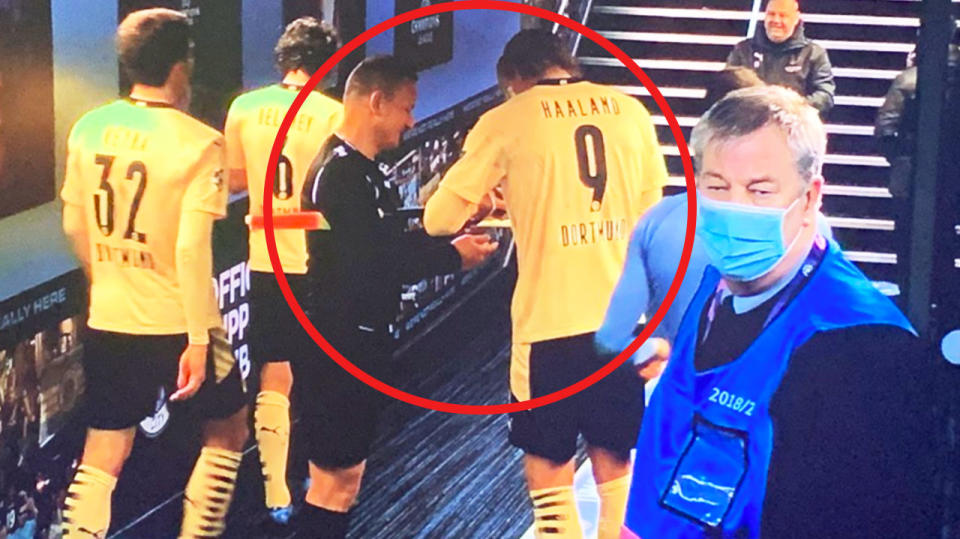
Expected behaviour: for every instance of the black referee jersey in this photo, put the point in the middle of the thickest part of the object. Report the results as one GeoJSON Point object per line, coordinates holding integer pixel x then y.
{"type": "Point", "coordinates": [356, 269]}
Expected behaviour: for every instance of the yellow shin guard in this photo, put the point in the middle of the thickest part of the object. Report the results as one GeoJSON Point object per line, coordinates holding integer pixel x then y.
{"type": "Point", "coordinates": [87, 511]}
{"type": "Point", "coordinates": [209, 492]}
{"type": "Point", "coordinates": [613, 506]}
{"type": "Point", "coordinates": [555, 513]}
{"type": "Point", "coordinates": [271, 420]}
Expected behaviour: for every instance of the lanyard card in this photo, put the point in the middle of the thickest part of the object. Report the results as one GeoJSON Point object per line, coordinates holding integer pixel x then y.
{"type": "Point", "coordinates": [708, 474]}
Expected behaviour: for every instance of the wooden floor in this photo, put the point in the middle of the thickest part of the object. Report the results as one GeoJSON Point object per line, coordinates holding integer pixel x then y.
{"type": "Point", "coordinates": [432, 474]}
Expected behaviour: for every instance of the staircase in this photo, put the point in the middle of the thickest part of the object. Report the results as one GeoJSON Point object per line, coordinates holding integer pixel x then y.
{"type": "Point", "coordinates": [679, 42]}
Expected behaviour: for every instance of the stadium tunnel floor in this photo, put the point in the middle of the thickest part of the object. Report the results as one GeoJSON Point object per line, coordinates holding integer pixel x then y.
{"type": "Point", "coordinates": [432, 474]}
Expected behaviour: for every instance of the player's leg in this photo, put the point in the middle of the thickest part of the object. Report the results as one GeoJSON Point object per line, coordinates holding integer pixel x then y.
{"type": "Point", "coordinates": [611, 471]}
{"type": "Point", "coordinates": [271, 422]}
{"type": "Point", "coordinates": [611, 412]}
{"type": "Point", "coordinates": [550, 485]}
{"type": "Point", "coordinates": [221, 399]}
{"type": "Point", "coordinates": [548, 437]}
{"type": "Point", "coordinates": [122, 386]}
{"type": "Point", "coordinates": [88, 505]}
{"type": "Point", "coordinates": [274, 340]}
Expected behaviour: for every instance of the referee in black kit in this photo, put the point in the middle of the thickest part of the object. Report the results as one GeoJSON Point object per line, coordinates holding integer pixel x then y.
{"type": "Point", "coordinates": [355, 273]}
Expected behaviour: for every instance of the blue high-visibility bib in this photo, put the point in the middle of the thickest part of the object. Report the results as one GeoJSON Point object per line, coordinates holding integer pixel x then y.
{"type": "Point", "coordinates": [705, 443]}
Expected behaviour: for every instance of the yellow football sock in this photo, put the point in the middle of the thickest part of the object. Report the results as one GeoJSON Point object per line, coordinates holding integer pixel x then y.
{"type": "Point", "coordinates": [271, 419]}
{"type": "Point", "coordinates": [87, 509]}
{"type": "Point", "coordinates": [208, 493]}
{"type": "Point", "coordinates": [555, 513]}
{"type": "Point", "coordinates": [613, 506]}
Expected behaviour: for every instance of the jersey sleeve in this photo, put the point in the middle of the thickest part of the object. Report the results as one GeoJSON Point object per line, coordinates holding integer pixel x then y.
{"type": "Point", "coordinates": [233, 155]}
{"type": "Point", "coordinates": [482, 165]}
{"type": "Point", "coordinates": [207, 191]}
{"type": "Point", "coordinates": [72, 190]}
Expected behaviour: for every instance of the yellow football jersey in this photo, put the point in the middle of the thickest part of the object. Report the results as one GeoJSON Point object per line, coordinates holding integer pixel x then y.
{"type": "Point", "coordinates": [252, 125]}
{"type": "Point", "coordinates": [134, 167]}
{"type": "Point", "coordinates": [579, 164]}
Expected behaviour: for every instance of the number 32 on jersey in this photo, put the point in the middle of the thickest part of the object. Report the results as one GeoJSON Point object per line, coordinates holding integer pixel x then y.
{"type": "Point", "coordinates": [103, 198]}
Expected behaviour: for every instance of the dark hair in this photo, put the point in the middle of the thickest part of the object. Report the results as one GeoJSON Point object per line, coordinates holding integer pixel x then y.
{"type": "Point", "coordinates": [530, 53]}
{"type": "Point", "coordinates": [383, 72]}
{"type": "Point", "coordinates": [306, 44]}
{"type": "Point", "coordinates": [732, 78]}
{"type": "Point", "coordinates": [150, 42]}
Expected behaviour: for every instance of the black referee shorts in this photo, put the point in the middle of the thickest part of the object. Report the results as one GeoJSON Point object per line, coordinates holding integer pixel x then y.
{"type": "Point", "coordinates": [608, 413]}
{"type": "Point", "coordinates": [275, 333]}
{"type": "Point", "coordinates": [339, 413]}
{"type": "Point", "coordinates": [130, 377]}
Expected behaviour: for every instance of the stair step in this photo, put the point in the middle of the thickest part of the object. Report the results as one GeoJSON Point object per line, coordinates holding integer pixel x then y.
{"type": "Point", "coordinates": [892, 8]}
{"type": "Point", "coordinates": [809, 17]}
{"type": "Point", "coordinates": [713, 66]}
{"type": "Point", "coordinates": [679, 44]}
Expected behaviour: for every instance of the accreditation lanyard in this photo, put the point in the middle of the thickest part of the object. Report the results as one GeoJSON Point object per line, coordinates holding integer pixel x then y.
{"type": "Point", "coordinates": [814, 257]}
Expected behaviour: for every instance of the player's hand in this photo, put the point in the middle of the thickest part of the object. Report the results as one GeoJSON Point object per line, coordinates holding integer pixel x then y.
{"type": "Point", "coordinates": [474, 249]}
{"type": "Point", "coordinates": [193, 370]}
{"type": "Point", "coordinates": [657, 351]}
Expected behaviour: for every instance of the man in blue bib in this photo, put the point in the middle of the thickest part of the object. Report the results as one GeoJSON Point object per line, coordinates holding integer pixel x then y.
{"type": "Point", "coordinates": [792, 404]}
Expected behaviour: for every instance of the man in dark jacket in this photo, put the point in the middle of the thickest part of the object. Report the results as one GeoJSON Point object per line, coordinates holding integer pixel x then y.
{"type": "Point", "coordinates": [782, 55]}
{"type": "Point", "coordinates": [896, 135]}
{"type": "Point", "coordinates": [896, 125]}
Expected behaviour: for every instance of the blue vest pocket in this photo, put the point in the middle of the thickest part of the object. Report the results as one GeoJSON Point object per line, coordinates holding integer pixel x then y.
{"type": "Point", "coordinates": [708, 473]}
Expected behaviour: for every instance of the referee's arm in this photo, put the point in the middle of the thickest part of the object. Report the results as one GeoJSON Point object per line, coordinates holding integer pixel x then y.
{"type": "Point", "coordinates": [418, 257]}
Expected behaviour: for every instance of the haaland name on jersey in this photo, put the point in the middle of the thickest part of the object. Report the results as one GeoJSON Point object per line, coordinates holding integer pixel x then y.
{"type": "Point", "coordinates": [579, 108]}
{"type": "Point", "coordinates": [593, 232]}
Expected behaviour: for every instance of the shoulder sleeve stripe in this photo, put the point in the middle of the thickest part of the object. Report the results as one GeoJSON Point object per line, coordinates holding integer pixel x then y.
{"type": "Point", "coordinates": [316, 182]}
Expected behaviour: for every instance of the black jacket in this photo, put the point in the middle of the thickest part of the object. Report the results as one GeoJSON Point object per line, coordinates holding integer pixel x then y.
{"type": "Point", "coordinates": [895, 126]}
{"type": "Point", "coordinates": [356, 268]}
{"type": "Point", "coordinates": [797, 63]}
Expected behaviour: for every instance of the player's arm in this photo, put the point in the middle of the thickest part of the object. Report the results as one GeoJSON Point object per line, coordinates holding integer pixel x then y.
{"type": "Point", "coordinates": [74, 220]}
{"type": "Point", "coordinates": [203, 203]}
{"type": "Point", "coordinates": [468, 182]}
{"type": "Point", "coordinates": [194, 259]}
{"type": "Point", "coordinates": [235, 159]}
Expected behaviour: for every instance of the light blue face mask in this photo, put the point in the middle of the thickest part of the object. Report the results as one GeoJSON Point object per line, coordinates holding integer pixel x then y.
{"type": "Point", "coordinates": [743, 242]}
